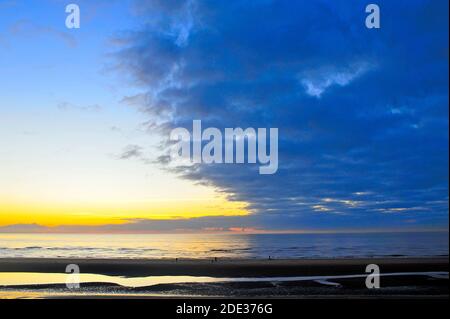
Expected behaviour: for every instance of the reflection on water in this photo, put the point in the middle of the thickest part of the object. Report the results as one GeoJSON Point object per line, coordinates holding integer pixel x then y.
{"type": "Point", "coordinates": [20, 294]}
{"type": "Point", "coordinates": [224, 246]}
{"type": "Point", "coordinates": [122, 246]}
{"type": "Point", "coordinates": [30, 278]}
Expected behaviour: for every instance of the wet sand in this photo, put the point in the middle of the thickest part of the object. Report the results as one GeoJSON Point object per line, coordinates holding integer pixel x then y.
{"type": "Point", "coordinates": [400, 277]}
{"type": "Point", "coordinates": [224, 267]}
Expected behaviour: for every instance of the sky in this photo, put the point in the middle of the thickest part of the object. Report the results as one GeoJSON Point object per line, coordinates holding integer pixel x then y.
{"type": "Point", "coordinates": [85, 115]}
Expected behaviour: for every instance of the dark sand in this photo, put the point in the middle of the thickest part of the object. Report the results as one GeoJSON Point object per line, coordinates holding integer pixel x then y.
{"type": "Point", "coordinates": [224, 267]}
{"type": "Point", "coordinates": [397, 286]}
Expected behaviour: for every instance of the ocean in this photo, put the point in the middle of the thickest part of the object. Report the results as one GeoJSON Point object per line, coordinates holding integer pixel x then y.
{"type": "Point", "coordinates": [257, 246]}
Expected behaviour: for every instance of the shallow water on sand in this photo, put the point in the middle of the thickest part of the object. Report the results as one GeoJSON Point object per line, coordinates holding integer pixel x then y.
{"type": "Point", "coordinates": [24, 278]}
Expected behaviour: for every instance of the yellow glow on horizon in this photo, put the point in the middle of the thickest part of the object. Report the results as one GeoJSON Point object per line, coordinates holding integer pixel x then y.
{"type": "Point", "coordinates": [52, 214]}
{"type": "Point", "coordinates": [76, 177]}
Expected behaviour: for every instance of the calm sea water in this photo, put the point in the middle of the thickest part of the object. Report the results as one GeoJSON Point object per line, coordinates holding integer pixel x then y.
{"type": "Point", "coordinates": [229, 246]}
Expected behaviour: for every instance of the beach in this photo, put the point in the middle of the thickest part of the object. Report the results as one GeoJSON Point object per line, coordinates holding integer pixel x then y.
{"type": "Point", "coordinates": [142, 278]}
{"type": "Point", "coordinates": [223, 267]}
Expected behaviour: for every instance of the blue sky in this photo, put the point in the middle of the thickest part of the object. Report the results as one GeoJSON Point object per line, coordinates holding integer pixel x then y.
{"type": "Point", "coordinates": [362, 113]}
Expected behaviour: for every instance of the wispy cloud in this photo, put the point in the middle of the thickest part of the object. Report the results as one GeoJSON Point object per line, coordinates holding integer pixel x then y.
{"type": "Point", "coordinates": [131, 151]}
{"type": "Point", "coordinates": [30, 29]}
{"type": "Point", "coordinates": [316, 82]}
{"type": "Point", "coordinates": [66, 106]}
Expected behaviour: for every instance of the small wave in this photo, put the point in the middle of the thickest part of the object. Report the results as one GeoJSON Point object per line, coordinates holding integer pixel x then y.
{"type": "Point", "coordinates": [134, 249]}
{"type": "Point", "coordinates": [229, 250]}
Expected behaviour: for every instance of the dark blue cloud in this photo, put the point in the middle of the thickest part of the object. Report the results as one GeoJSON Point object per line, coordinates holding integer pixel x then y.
{"type": "Point", "coordinates": [362, 113]}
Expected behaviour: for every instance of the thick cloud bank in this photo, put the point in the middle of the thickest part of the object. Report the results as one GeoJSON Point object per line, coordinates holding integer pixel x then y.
{"type": "Point", "coordinates": [362, 113]}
